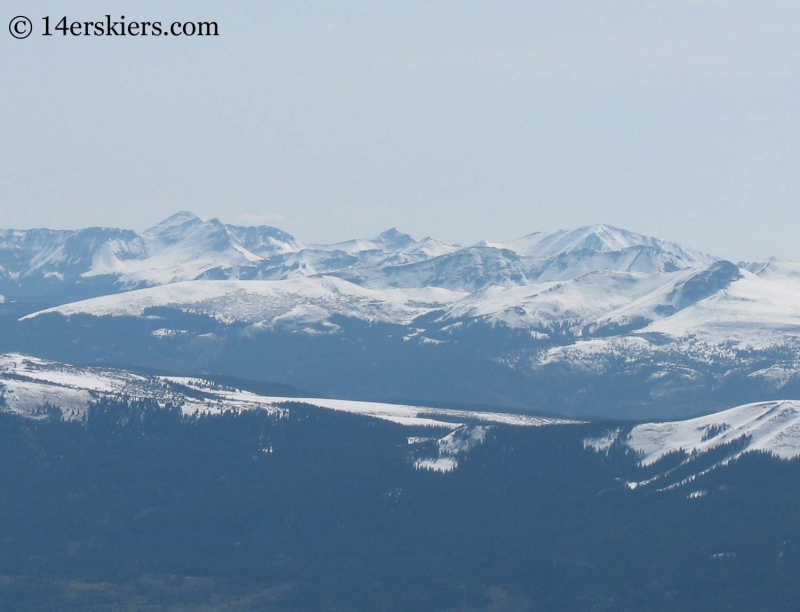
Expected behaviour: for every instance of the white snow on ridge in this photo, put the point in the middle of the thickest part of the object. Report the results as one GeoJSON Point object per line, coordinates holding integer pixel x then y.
{"type": "Point", "coordinates": [67, 376]}
{"type": "Point", "coordinates": [109, 258]}
{"type": "Point", "coordinates": [421, 415]}
{"type": "Point", "coordinates": [27, 398]}
{"type": "Point", "coordinates": [594, 354]}
{"type": "Point", "coordinates": [586, 300]}
{"type": "Point", "coordinates": [778, 375]}
{"type": "Point", "coordinates": [753, 311]}
{"type": "Point", "coordinates": [772, 427]}
{"type": "Point", "coordinates": [401, 413]}
{"type": "Point", "coordinates": [29, 382]}
{"type": "Point", "coordinates": [266, 301]}
{"type": "Point", "coordinates": [390, 242]}
{"type": "Point", "coordinates": [775, 269]}
{"type": "Point", "coordinates": [598, 237]}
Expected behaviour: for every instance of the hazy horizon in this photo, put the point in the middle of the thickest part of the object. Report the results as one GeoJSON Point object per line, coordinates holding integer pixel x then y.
{"type": "Point", "coordinates": [462, 121]}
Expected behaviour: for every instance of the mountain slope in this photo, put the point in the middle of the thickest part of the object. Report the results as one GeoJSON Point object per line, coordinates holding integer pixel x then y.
{"type": "Point", "coordinates": [749, 310]}
{"type": "Point", "coordinates": [704, 444]}
{"type": "Point", "coordinates": [296, 301]}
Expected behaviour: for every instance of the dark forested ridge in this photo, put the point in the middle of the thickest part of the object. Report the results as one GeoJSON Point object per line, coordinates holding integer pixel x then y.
{"type": "Point", "coordinates": [138, 507]}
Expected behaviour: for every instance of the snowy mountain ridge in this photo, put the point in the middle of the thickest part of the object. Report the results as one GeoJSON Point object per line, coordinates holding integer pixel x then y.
{"type": "Point", "coordinates": [27, 383]}
{"type": "Point", "coordinates": [768, 427]}
{"type": "Point", "coordinates": [185, 247]}
{"type": "Point", "coordinates": [589, 278]}
{"type": "Point", "coordinates": [719, 304]}
{"type": "Point", "coordinates": [282, 303]}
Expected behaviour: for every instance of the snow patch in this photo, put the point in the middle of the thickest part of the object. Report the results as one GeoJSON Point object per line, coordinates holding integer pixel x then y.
{"type": "Point", "coordinates": [443, 465]}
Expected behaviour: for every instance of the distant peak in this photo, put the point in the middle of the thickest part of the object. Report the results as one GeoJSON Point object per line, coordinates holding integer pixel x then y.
{"type": "Point", "coordinates": [393, 232]}
{"type": "Point", "coordinates": [183, 216]}
{"type": "Point", "coordinates": [395, 237]}
{"type": "Point", "coordinates": [602, 229]}
{"type": "Point", "coordinates": [178, 219]}
{"type": "Point", "coordinates": [597, 238]}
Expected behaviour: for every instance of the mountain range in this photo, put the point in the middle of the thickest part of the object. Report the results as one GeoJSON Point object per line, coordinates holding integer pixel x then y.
{"type": "Point", "coordinates": [38, 262]}
{"type": "Point", "coordinates": [592, 321]}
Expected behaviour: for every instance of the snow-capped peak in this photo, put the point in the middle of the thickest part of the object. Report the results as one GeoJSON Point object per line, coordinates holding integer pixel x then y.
{"type": "Point", "coordinates": [389, 241]}
{"type": "Point", "coordinates": [596, 238]}
{"type": "Point", "coordinates": [179, 218]}
{"type": "Point", "coordinates": [395, 238]}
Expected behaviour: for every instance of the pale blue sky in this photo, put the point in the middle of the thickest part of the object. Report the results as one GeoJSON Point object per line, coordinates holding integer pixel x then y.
{"type": "Point", "coordinates": [463, 120]}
